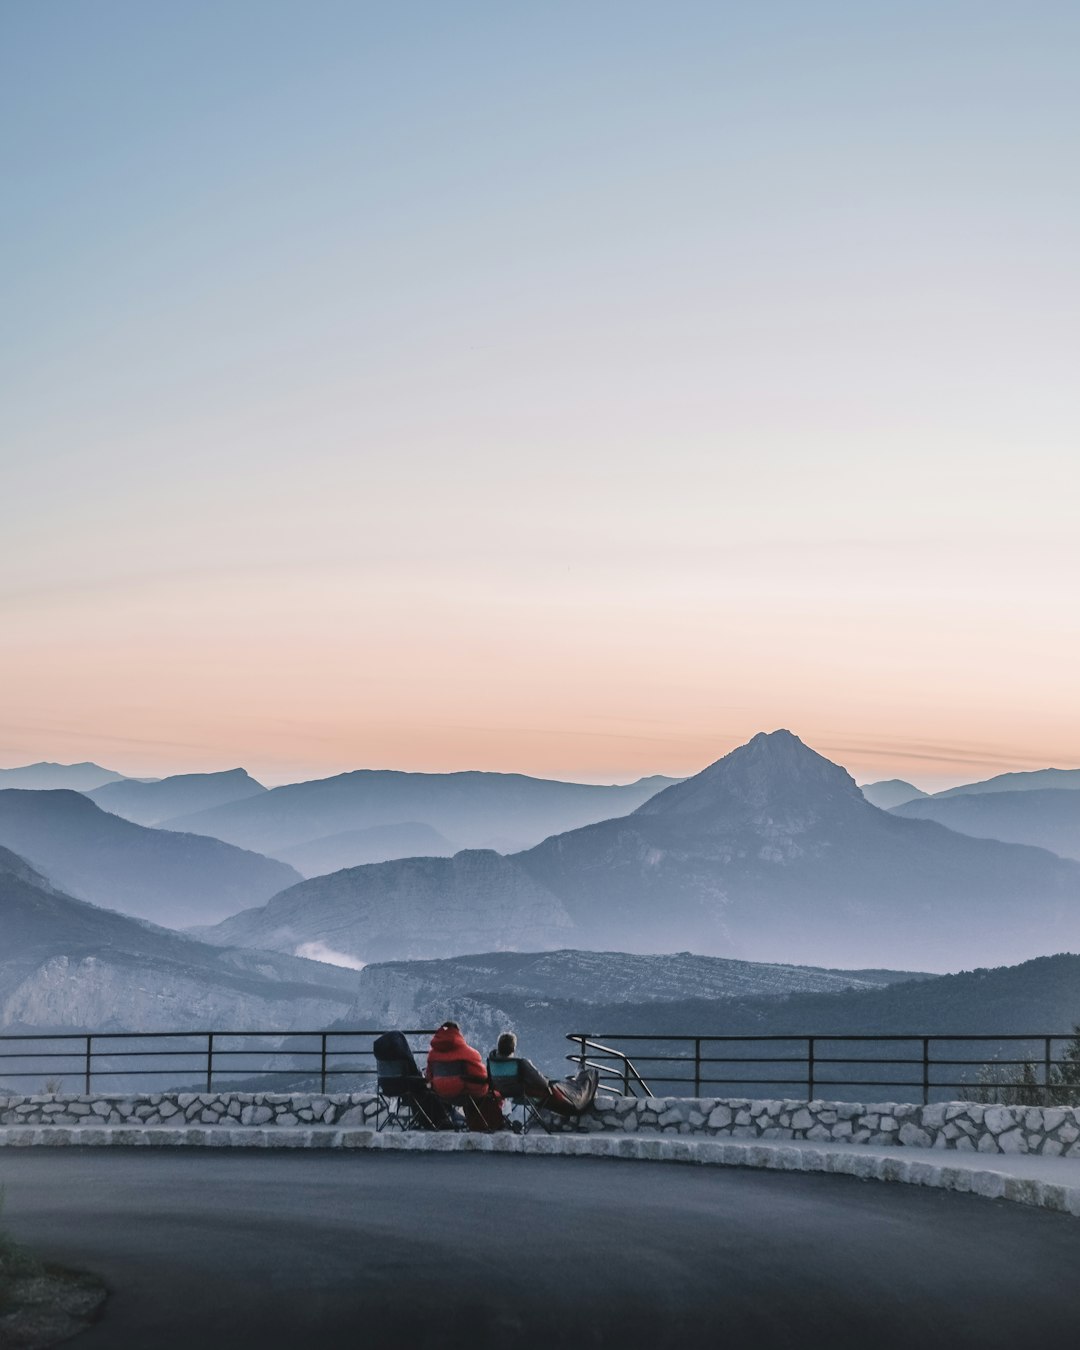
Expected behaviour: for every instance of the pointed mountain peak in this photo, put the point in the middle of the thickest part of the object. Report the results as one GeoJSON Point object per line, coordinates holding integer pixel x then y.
{"type": "Point", "coordinates": [774, 772]}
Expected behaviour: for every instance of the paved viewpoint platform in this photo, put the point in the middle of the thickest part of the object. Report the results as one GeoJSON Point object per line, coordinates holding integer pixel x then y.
{"type": "Point", "coordinates": [304, 1247]}
{"type": "Point", "coordinates": [1030, 1179]}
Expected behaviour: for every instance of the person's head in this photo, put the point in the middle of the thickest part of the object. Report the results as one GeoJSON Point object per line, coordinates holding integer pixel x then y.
{"type": "Point", "coordinates": [507, 1045]}
{"type": "Point", "coordinates": [449, 1026]}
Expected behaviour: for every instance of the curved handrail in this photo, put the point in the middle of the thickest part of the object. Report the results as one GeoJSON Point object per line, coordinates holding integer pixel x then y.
{"type": "Point", "coordinates": [628, 1076]}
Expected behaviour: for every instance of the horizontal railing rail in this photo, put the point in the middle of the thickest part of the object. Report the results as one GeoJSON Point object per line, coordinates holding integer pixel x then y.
{"type": "Point", "coordinates": [87, 1058]}
{"type": "Point", "coordinates": [1039, 1076]}
{"type": "Point", "coordinates": [1025, 1068]}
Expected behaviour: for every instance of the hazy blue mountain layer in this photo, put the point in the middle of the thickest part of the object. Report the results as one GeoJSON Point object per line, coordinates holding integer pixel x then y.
{"type": "Point", "coordinates": [890, 792]}
{"type": "Point", "coordinates": [68, 964]}
{"type": "Point", "coordinates": [1045, 817]}
{"type": "Point", "coordinates": [375, 844]}
{"type": "Point", "coordinates": [151, 803]}
{"type": "Point", "coordinates": [173, 879]}
{"type": "Point", "coordinates": [76, 777]}
{"type": "Point", "coordinates": [419, 907]}
{"type": "Point", "coordinates": [1032, 781]}
{"type": "Point", "coordinates": [504, 811]}
{"type": "Point", "coordinates": [771, 854]}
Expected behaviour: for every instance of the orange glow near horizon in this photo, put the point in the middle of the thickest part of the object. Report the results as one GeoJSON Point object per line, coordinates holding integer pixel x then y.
{"type": "Point", "coordinates": [576, 683]}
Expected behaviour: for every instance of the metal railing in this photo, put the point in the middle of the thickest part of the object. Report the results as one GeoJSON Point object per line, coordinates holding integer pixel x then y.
{"type": "Point", "coordinates": [694, 1063]}
{"type": "Point", "coordinates": [1026, 1069]}
{"type": "Point", "coordinates": [192, 1059]}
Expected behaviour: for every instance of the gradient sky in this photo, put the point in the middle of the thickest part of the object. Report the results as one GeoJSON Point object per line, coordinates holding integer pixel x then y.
{"type": "Point", "coordinates": [568, 388]}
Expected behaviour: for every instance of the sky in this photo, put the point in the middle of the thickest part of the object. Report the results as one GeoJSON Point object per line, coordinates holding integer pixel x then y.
{"type": "Point", "coordinates": [573, 389]}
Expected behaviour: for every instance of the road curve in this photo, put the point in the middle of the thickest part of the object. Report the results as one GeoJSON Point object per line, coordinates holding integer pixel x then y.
{"type": "Point", "coordinates": [298, 1250]}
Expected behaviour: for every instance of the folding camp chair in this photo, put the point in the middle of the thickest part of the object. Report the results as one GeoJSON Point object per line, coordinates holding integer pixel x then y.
{"type": "Point", "coordinates": [464, 1102]}
{"type": "Point", "coordinates": [506, 1079]}
{"type": "Point", "coordinates": [404, 1101]}
{"type": "Point", "coordinates": [399, 1089]}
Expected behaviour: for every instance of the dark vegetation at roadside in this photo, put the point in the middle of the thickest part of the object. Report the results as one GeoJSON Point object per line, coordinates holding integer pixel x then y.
{"type": "Point", "coordinates": [41, 1305]}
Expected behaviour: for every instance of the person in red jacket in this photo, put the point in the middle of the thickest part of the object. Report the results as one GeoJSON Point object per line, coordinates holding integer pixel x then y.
{"type": "Point", "coordinates": [458, 1075]}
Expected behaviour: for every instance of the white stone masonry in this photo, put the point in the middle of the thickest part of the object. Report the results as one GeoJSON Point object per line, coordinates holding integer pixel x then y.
{"type": "Point", "coordinates": [1051, 1131]}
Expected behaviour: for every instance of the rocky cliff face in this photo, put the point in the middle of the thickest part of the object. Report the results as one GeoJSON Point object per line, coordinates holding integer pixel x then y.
{"type": "Point", "coordinates": [111, 992]}
{"type": "Point", "coordinates": [407, 993]}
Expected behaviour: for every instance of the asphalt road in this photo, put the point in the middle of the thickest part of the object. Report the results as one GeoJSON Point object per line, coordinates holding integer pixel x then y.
{"type": "Point", "coordinates": [237, 1249]}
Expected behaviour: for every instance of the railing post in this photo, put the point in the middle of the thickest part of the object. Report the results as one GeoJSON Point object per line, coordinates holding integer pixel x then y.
{"type": "Point", "coordinates": [1046, 1072]}
{"type": "Point", "coordinates": [209, 1061]}
{"type": "Point", "coordinates": [810, 1068]}
{"type": "Point", "coordinates": [322, 1064]}
{"type": "Point", "coordinates": [86, 1077]}
{"type": "Point", "coordinates": [626, 1076]}
{"type": "Point", "coordinates": [697, 1066]}
{"type": "Point", "coordinates": [925, 1070]}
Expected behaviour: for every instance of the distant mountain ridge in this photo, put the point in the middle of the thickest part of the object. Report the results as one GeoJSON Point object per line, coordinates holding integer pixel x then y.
{"type": "Point", "coordinates": [891, 792]}
{"type": "Point", "coordinates": [469, 809]}
{"type": "Point", "coordinates": [46, 775]}
{"type": "Point", "coordinates": [373, 844]}
{"type": "Point", "coordinates": [173, 879]}
{"type": "Point", "coordinates": [153, 802]}
{"type": "Point", "coordinates": [1044, 817]}
{"type": "Point", "coordinates": [1027, 781]}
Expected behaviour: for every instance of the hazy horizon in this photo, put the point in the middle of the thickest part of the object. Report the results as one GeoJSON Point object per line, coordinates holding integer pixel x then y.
{"type": "Point", "coordinates": [926, 781]}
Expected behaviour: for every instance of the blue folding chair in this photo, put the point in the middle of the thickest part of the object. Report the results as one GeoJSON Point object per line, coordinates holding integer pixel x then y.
{"type": "Point", "coordinates": [506, 1079]}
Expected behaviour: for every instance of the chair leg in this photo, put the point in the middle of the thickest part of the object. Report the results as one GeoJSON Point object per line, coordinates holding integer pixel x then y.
{"type": "Point", "coordinates": [419, 1111]}
{"type": "Point", "coordinates": [534, 1113]}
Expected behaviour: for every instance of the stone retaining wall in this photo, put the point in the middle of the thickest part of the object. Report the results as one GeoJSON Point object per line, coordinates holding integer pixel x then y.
{"type": "Point", "coordinates": [964, 1126]}
{"type": "Point", "coordinates": [190, 1108]}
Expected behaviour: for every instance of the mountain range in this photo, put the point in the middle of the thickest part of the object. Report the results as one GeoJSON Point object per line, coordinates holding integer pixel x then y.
{"type": "Point", "coordinates": [150, 803]}
{"type": "Point", "coordinates": [1045, 817]}
{"type": "Point", "coordinates": [416, 907]}
{"type": "Point", "coordinates": [68, 964]}
{"type": "Point", "coordinates": [774, 854]}
{"type": "Point", "coordinates": [470, 810]}
{"type": "Point", "coordinates": [172, 879]}
{"type": "Point", "coordinates": [44, 775]}
{"type": "Point", "coordinates": [1032, 780]}
{"type": "Point", "coordinates": [770, 854]}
